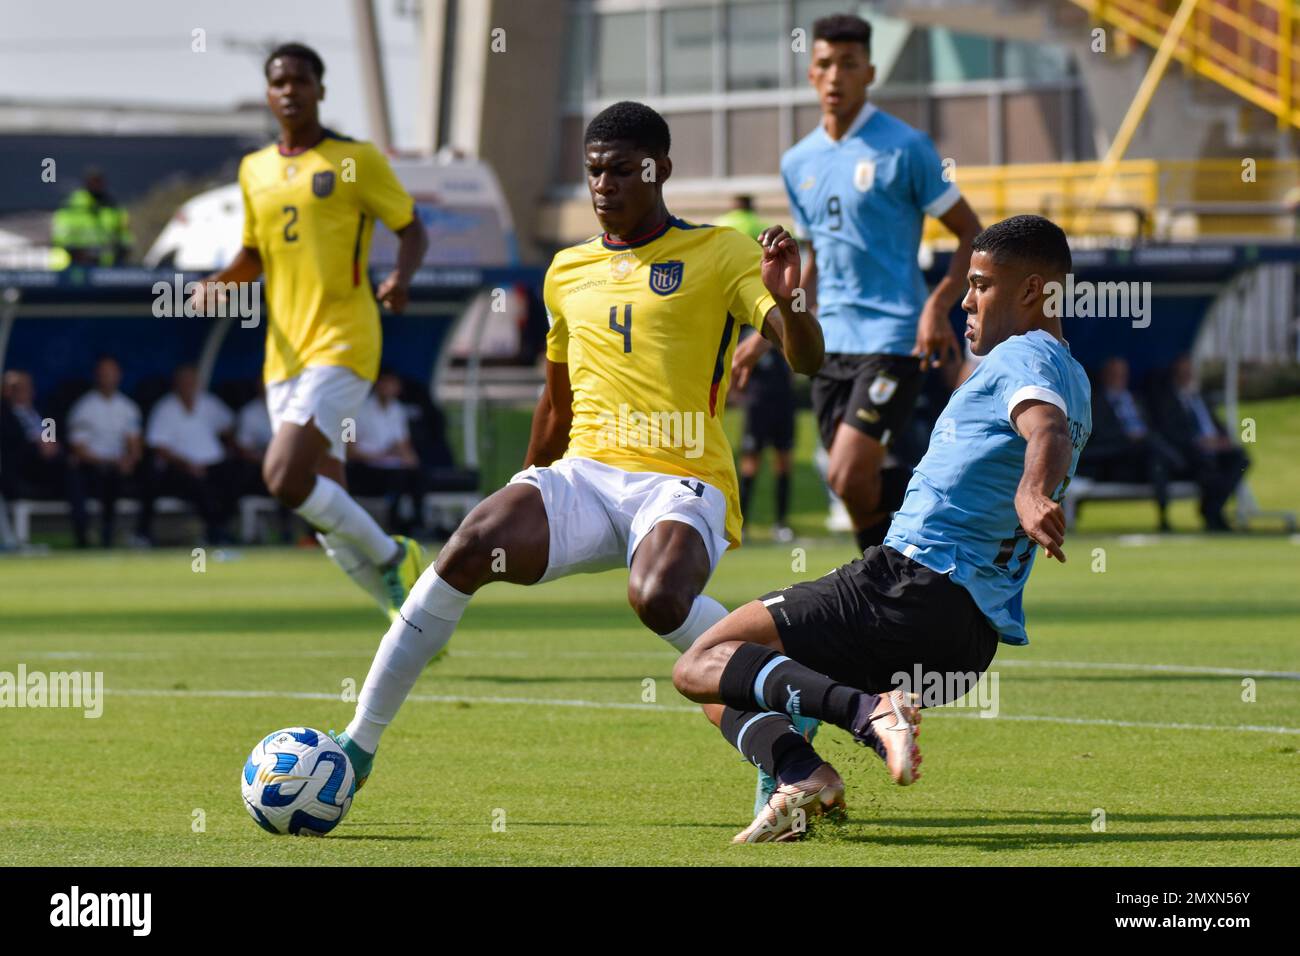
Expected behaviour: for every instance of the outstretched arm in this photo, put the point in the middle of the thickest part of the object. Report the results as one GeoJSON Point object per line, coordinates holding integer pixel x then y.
{"type": "Point", "coordinates": [552, 419]}
{"type": "Point", "coordinates": [1047, 462]}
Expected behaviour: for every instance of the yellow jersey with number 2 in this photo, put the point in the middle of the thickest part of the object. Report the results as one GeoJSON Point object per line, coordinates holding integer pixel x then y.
{"type": "Point", "coordinates": [647, 328]}
{"type": "Point", "coordinates": [310, 215]}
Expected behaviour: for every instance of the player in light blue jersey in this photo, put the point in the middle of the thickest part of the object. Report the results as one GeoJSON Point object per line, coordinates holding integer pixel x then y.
{"type": "Point", "coordinates": [932, 602]}
{"type": "Point", "coordinates": [860, 186]}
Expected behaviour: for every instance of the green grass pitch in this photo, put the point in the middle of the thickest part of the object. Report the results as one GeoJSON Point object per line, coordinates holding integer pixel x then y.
{"type": "Point", "coordinates": [1129, 702]}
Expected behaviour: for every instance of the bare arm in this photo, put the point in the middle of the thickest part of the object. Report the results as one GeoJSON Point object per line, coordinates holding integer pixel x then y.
{"type": "Point", "coordinates": [789, 324]}
{"type": "Point", "coordinates": [1047, 461]}
{"type": "Point", "coordinates": [245, 267]}
{"type": "Point", "coordinates": [935, 341]}
{"type": "Point", "coordinates": [551, 420]}
{"type": "Point", "coordinates": [394, 291]}
{"type": "Point", "coordinates": [755, 347]}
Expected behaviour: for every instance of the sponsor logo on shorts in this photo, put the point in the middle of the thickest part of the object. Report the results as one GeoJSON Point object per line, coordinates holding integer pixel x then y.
{"type": "Point", "coordinates": [868, 415]}
{"type": "Point", "coordinates": [882, 389]}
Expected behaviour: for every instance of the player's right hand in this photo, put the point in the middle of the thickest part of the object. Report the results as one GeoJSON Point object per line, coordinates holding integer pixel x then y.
{"type": "Point", "coordinates": [1043, 520]}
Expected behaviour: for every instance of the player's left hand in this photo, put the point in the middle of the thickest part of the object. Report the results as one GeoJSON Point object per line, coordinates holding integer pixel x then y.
{"type": "Point", "coordinates": [935, 341]}
{"type": "Point", "coordinates": [1043, 520]}
{"type": "Point", "coordinates": [780, 261]}
{"type": "Point", "coordinates": [393, 293]}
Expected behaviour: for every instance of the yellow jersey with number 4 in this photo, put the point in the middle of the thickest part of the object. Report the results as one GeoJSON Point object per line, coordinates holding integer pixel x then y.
{"type": "Point", "coordinates": [647, 328]}
{"type": "Point", "coordinates": [310, 215]}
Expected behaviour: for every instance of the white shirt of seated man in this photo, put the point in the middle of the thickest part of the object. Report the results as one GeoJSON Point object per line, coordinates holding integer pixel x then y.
{"type": "Point", "coordinates": [192, 434]}
{"type": "Point", "coordinates": [381, 431]}
{"type": "Point", "coordinates": [103, 423]}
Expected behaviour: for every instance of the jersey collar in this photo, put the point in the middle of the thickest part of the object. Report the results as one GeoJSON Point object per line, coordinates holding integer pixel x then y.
{"type": "Point", "coordinates": [868, 110]}
{"type": "Point", "coordinates": [326, 133]}
{"type": "Point", "coordinates": [609, 242]}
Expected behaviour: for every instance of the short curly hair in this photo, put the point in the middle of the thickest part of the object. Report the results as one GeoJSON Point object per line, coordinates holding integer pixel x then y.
{"type": "Point", "coordinates": [843, 28]}
{"type": "Point", "coordinates": [1031, 240]}
{"type": "Point", "coordinates": [302, 52]}
{"type": "Point", "coordinates": [630, 122]}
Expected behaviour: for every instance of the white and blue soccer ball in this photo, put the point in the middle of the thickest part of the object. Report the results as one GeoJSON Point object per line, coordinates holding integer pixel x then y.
{"type": "Point", "coordinates": [298, 781]}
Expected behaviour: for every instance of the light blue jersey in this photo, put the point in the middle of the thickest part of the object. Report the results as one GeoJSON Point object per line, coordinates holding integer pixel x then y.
{"type": "Point", "coordinates": [862, 200]}
{"type": "Point", "coordinates": [959, 515]}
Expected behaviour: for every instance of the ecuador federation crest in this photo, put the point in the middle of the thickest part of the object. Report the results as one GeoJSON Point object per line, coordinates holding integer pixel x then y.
{"type": "Point", "coordinates": [322, 184]}
{"type": "Point", "coordinates": [666, 277]}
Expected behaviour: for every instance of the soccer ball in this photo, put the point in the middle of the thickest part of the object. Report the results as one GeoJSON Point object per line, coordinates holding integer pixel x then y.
{"type": "Point", "coordinates": [298, 781]}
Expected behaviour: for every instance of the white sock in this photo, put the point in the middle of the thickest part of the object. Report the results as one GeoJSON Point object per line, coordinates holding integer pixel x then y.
{"type": "Point", "coordinates": [429, 615]}
{"type": "Point", "coordinates": [705, 612]}
{"type": "Point", "coordinates": [355, 566]}
{"type": "Point", "coordinates": [333, 511]}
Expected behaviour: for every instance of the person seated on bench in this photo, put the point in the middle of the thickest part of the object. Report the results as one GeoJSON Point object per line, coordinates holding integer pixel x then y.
{"type": "Point", "coordinates": [31, 458]}
{"type": "Point", "coordinates": [187, 435]}
{"type": "Point", "coordinates": [1206, 451]}
{"type": "Point", "coordinates": [381, 461]}
{"type": "Point", "coordinates": [104, 432]}
{"type": "Point", "coordinates": [1123, 446]}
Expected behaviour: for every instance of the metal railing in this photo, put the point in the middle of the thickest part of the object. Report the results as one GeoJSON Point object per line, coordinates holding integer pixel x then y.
{"type": "Point", "coordinates": [1251, 47]}
{"type": "Point", "coordinates": [1145, 198]}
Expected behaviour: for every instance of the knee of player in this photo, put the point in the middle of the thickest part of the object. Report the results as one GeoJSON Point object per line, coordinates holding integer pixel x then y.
{"type": "Point", "coordinates": [470, 555]}
{"type": "Point", "coordinates": [660, 607]}
{"type": "Point", "coordinates": [854, 484]}
{"type": "Point", "coordinates": [686, 673]}
{"type": "Point", "coordinates": [287, 488]}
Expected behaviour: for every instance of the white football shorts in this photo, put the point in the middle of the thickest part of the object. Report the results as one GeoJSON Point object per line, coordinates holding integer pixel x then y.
{"type": "Point", "coordinates": [598, 514]}
{"type": "Point", "coordinates": [329, 395]}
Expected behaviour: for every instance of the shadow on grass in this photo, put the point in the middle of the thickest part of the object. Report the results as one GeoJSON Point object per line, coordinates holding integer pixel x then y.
{"type": "Point", "coordinates": [1118, 830]}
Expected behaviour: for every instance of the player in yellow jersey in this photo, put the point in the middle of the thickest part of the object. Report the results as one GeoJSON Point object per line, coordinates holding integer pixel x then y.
{"type": "Point", "coordinates": [310, 204]}
{"type": "Point", "coordinates": [627, 464]}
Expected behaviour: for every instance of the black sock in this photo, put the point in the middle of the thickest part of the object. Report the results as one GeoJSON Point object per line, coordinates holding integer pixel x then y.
{"type": "Point", "coordinates": [787, 686]}
{"type": "Point", "coordinates": [746, 488]}
{"type": "Point", "coordinates": [782, 497]}
{"type": "Point", "coordinates": [768, 741]}
{"type": "Point", "coordinates": [871, 537]}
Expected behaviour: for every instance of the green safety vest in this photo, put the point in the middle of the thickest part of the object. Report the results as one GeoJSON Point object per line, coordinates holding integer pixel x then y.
{"type": "Point", "coordinates": [82, 224]}
{"type": "Point", "coordinates": [742, 220]}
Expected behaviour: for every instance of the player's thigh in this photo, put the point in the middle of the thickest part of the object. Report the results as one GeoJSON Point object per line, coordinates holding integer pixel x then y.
{"type": "Point", "coordinates": [829, 393]}
{"type": "Point", "coordinates": [855, 460]}
{"type": "Point", "coordinates": [883, 395]}
{"type": "Point", "coordinates": [506, 537]}
{"type": "Point", "coordinates": [293, 458]}
{"type": "Point", "coordinates": [588, 527]}
{"type": "Point", "coordinates": [317, 411]}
